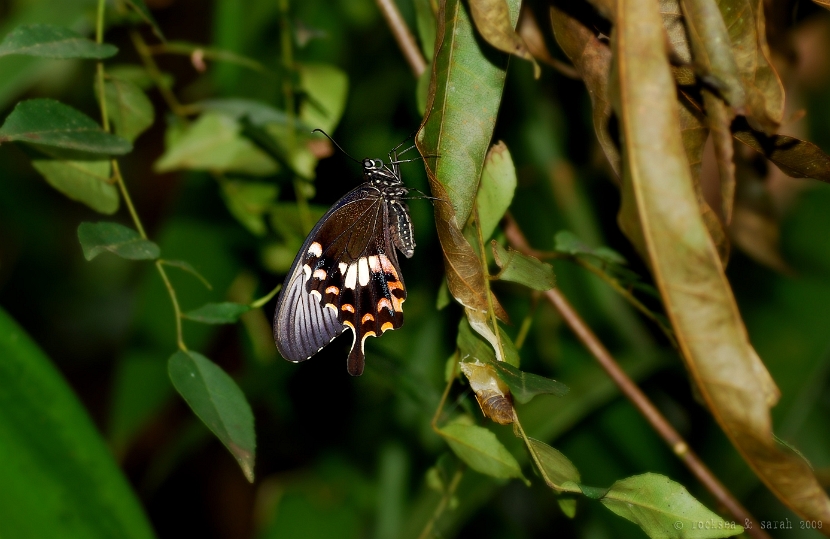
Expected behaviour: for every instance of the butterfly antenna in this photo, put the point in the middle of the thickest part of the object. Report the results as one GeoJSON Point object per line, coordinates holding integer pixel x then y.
{"type": "Point", "coordinates": [338, 146]}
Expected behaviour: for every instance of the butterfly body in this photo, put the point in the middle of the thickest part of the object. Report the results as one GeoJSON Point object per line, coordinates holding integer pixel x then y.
{"type": "Point", "coordinates": [346, 275]}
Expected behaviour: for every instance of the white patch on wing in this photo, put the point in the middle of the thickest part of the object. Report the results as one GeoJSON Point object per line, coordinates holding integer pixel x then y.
{"type": "Point", "coordinates": [374, 264]}
{"type": "Point", "coordinates": [363, 271]}
{"type": "Point", "coordinates": [351, 276]}
{"type": "Point", "coordinates": [315, 249]}
{"type": "Point", "coordinates": [316, 294]}
{"type": "Point", "coordinates": [342, 267]}
{"type": "Point", "coordinates": [307, 271]}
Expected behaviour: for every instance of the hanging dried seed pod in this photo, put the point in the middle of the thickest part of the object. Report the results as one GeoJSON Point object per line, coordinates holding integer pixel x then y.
{"type": "Point", "coordinates": [492, 394]}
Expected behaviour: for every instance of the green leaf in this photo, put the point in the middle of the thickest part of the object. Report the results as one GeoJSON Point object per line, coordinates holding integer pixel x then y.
{"type": "Point", "coordinates": [523, 269]}
{"type": "Point", "coordinates": [217, 313]}
{"type": "Point", "coordinates": [472, 329]}
{"type": "Point", "coordinates": [97, 238]}
{"type": "Point", "coordinates": [213, 142]}
{"type": "Point", "coordinates": [84, 181]}
{"type": "Point", "coordinates": [50, 123]}
{"type": "Point", "coordinates": [216, 399]}
{"type": "Point", "coordinates": [425, 22]}
{"type": "Point", "coordinates": [259, 113]}
{"type": "Point", "coordinates": [49, 41]}
{"type": "Point", "coordinates": [249, 202]}
{"type": "Point", "coordinates": [128, 107]}
{"type": "Point", "coordinates": [326, 88]}
{"type": "Point", "coordinates": [524, 385]}
{"type": "Point", "coordinates": [665, 509]}
{"type": "Point", "coordinates": [481, 450]}
{"type": "Point", "coordinates": [495, 192]}
{"type": "Point", "coordinates": [568, 243]}
{"type": "Point", "coordinates": [58, 477]}
{"type": "Point", "coordinates": [185, 266]}
{"type": "Point", "coordinates": [212, 53]}
{"type": "Point", "coordinates": [557, 468]}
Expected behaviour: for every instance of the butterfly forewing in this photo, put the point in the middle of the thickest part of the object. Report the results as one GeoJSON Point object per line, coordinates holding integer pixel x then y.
{"type": "Point", "coordinates": [345, 276]}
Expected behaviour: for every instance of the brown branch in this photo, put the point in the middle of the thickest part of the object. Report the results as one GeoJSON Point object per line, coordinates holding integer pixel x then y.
{"type": "Point", "coordinates": [639, 399]}
{"type": "Point", "coordinates": [406, 41]}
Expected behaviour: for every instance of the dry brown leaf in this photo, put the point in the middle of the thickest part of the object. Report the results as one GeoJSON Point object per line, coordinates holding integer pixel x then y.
{"type": "Point", "coordinates": [493, 21]}
{"type": "Point", "coordinates": [658, 185]}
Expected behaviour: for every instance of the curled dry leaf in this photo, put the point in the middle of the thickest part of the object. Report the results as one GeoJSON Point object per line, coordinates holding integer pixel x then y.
{"type": "Point", "coordinates": [728, 373]}
{"type": "Point", "coordinates": [592, 60]}
{"type": "Point", "coordinates": [464, 97]}
{"type": "Point", "coordinates": [496, 24]}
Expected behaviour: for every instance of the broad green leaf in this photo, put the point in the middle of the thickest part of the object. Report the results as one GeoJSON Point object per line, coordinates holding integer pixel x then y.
{"type": "Point", "coordinates": [471, 345]}
{"type": "Point", "coordinates": [59, 477]}
{"type": "Point", "coordinates": [481, 450]}
{"type": "Point", "coordinates": [665, 509]}
{"type": "Point", "coordinates": [523, 269]}
{"type": "Point", "coordinates": [186, 266]}
{"type": "Point", "coordinates": [49, 41]}
{"type": "Point", "coordinates": [524, 385]}
{"type": "Point", "coordinates": [216, 399]}
{"type": "Point", "coordinates": [217, 313]}
{"type": "Point", "coordinates": [567, 242]}
{"type": "Point", "coordinates": [729, 375]}
{"type": "Point", "coordinates": [249, 202]}
{"type": "Point", "coordinates": [46, 122]}
{"type": "Point", "coordinates": [326, 88]}
{"type": "Point", "coordinates": [558, 469]}
{"type": "Point", "coordinates": [84, 181]}
{"type": "Point", "coordinates": [465, 93]}
{"type": "Point", "coordinates": [97, 238]}
{"type": "Point", "coordinates": [494, 22]}
{"type": "Point", "coordinates": [495, 192]}
{"type": "Point", "coordinates": [213, 142]}
{"type": "Point", "coordinates": [129, 109]}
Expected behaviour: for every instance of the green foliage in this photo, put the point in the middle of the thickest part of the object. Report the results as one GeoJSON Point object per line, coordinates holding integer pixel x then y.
{"type": "Point", "coordinates": [217, 313]}
{"type": "Point", "coordinates": [219, 403]}
{"type": "Point", "coordinates": [97, 238]}
{"type": "Point", "coordinates": [481, 450]}
{"type": "Point", "coordinates": [48, 41]}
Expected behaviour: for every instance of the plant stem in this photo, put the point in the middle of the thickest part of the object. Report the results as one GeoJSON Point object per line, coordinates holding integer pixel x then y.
{"type": "Point", "coordinates": [443, 400]}
{"type": "Point", "coordinates": [266, 298]}
{"type": "Point", "coordinates": [155, 74]}
{"type": "Point", "coordinates": [640, 401]}
{"type": "Point", "coordinates": [406, 41]}
{"type": "Point", "coordinates": [119, 179]}
{"type": "Point", "coordinates": [442, 504]}
{"type": "Point", "coordinates": [538, 462]}
{"type": "Point", "coordinates": [491, 311]}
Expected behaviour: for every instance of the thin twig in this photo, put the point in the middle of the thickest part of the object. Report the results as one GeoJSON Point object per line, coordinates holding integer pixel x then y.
{"type": "Point", "coordinates": [641, 401]}
{"type": "Point", "coordinates": [406, 41]}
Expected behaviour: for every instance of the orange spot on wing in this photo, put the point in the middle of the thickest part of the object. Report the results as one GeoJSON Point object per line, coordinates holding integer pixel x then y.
{"type": "Point", "coordinates": [384, 303]}
{"type": "Point", "coordinates": [368, 317]}
{"type": "Point", "coordinates": [386, 327]}
{"type": "Point", "coordinates": [332, 290]}
{"type": "Point", "coordinates": [347, 307]}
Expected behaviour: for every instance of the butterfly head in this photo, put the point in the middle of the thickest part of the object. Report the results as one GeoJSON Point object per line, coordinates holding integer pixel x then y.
{"type": "Point", "coordinates": [380, 175]}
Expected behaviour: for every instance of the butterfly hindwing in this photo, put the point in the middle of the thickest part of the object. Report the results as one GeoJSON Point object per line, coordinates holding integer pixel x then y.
{"type": "Point", "coordinates": [345, 276]}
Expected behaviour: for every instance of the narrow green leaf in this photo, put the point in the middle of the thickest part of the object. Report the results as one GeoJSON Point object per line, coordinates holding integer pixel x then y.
{"type": "Point", "coordinates": [481, 450]}
{"type": "Point", "coordinates": [49, 41]}
{"type": "Point", "coordinates": [84, 181]}
{"type": "Point", "coordinates": [568, 243]}
{"type": "Point", "coordinates": [185, 266]}
{"type": "Point", "coordinates": [249, 202]}
{"type": "Point", "coordinates": [665, 509]}
{"type": "Point", "coordinates": [58, 477]}
{"type": "Point", "coordinates": [472, 329]}
{"type": "Point", "coordinates": [213, 142]}
{"type": "Point", "coordinates": [524, 385]}
{"type": "Point", "coordinates": [495, 191]}
{"type": "Point", "coordinates": [568, 505]}
{"type": "Point", "coordinates": [48, 122]}
{"type": "Point", "coordinates": [140, 8]}
{"type": "Point", "coordinates": [213, 53]}
{"type": "Point", "coordinates": [97, 238]}
{"type": "Point", "coordinates": [259, 113]}
{"type": "Point", "coordinates": [326, 88]}
{"type": "Point", "coordinates": [523, 269]}
{"type": "Point", "coordinates": [128, 107]}
{"type": "Point", "coordinates": [216, 399]}
{"type": "Point", "coordinates": [217, 313]}
{"type": "Point", "coordinates": [425, 22]}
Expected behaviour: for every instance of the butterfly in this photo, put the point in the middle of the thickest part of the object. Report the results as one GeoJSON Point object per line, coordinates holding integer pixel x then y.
{"type": "Point", "coordinates": [346, 275]}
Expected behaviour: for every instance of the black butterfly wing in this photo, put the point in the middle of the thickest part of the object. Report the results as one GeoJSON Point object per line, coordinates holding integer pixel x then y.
{"type": "Point", "coordinates": [345, 276]}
